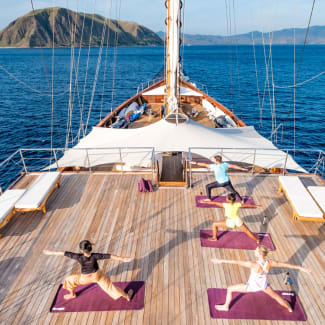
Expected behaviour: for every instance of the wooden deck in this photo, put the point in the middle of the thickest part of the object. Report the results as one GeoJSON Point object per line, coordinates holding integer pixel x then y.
{"type": "Point", "coordinates": [161, 231]}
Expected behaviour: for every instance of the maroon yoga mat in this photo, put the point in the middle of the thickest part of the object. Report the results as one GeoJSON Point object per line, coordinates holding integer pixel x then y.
{"type": "Point", "coordinates": [91, 297]}
{"type": "Point", "coordinates": [220, 199]}
{"type": "Point", "coordinates": [235, 239]}
{"type": "Point", "coordinates": [255, 305]}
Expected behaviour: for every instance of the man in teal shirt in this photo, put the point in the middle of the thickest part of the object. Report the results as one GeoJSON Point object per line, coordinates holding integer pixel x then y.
{"type": "Point", "coordinates": [222, 178]}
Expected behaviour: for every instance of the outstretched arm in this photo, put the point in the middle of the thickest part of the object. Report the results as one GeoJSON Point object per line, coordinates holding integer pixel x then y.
{"type": "Point", "coordinates": [219, 204]}
{"type": "Point", "coordinates": [250, 205]}
{"type": "Point", "coordinates": [56, 253]}
{"type": "Point", "coordinates": [290, 266]}
{"type": "Point", "coordinates": [200, 164]}
{"type": "Point", "coordinates": [120, 258]}
{"type": "Point", "coordinates": [238, 167]}
{"type": "Point", "coordinates": [241, 263]}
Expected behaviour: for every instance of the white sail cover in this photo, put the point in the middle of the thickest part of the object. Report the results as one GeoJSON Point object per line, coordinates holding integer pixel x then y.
{"type": "Point", "coordinates": [161, 91]}
{"type": "Point", "coordinates": [102, 146]}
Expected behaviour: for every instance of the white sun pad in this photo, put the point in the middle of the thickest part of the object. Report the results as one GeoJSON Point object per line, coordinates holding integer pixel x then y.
{"type": "Point", "coordinates": [299, 197]}
{"type": "Point", "coordinates": [7, 202]}
{"type": "Point", "coordinates": [318, 193]}
{"type": "Point", "coordinates": [38, 191]}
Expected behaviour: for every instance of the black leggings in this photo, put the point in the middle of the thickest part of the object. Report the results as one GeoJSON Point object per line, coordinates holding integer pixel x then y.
{"type": "Point", "coordinates": [228, 186]}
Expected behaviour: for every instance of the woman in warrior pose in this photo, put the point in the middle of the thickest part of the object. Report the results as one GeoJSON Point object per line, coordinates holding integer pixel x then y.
{"type": "Point", "coordinates": [232, 218]}
{"type": "Point", "coordinates": [258, 277]}
{"type": "Point", "coordinates": [90, 271]}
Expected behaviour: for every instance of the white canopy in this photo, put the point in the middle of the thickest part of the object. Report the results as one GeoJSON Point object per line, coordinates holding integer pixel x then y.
{"type": "Point", "coordinates": [102, 145]}
{"type": "Point", "coordinates": [161, 91]}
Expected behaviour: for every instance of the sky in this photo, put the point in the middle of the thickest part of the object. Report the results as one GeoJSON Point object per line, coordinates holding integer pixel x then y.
{"type": "Point", "coordinates": [201, 16]}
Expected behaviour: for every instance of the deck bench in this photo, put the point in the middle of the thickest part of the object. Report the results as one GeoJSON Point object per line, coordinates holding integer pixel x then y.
{"type": "Point", "coordinates": [318, 194]}
{"type": "Point", "coordinates": [7, 205]}
{"type": "Point", "coordinates": [37, 194]}
{"type": "Point", "coordinates": [303, 205]}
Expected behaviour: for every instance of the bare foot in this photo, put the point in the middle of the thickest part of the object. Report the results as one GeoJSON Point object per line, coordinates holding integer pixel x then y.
{"type": "Point", "coordinates": [212, 239]}
{"type": "Point", "coordinates": [289, 309]}
{"type": "Point", "coordinates": [221, 307]}
{"type": "Point", "coordinates": [130, 294]}
{"type": "Point", "coordinates": [69, 296]}
{"type": "Point", "coordinates": [258, 241]}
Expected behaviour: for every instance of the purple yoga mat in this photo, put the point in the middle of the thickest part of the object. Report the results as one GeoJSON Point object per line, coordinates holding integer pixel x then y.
{"type": "Point", "coordinates": [91, 297]}
{"type": "Point", "coordinates": [220, 199]}
{"type": "Point", "coordinates": [255, 305]}
{"type": "Point", "coordinates": [235, 239]}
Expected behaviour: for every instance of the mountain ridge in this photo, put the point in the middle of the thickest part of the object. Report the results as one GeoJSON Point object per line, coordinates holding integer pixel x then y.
{"type": "Point", "coordinates": [284, 36]}
{"type": "Point", "coordinates": [73, 29]}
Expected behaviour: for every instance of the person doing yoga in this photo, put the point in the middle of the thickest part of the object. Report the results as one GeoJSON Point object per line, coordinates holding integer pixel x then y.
{"type": "Point", "coordinates": [90, 272]}
{"type": "Point", "coordinates": [232, 218]}
{"type": "Point", "coordinates": [222, 178]}
{"type": "Point", "coordinates": [258, 278]}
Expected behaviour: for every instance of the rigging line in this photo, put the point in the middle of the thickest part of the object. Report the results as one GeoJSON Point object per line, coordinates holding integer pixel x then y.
{"type": "Point", "coordinates": [267, 81]}
{"type": "Point", "coordinates": [49, 94]}
{"type": "Point", "coordinates": [87, 65]}
{"type": "Point", "coordinates": [183, 37]}
{"type": "Point", "coordinates": [237, 55]}
{"type": "Point", "coordinates": [109, 6]}
{"type": "Point", "coordinates": [294, 89]}
{"type": "Point", "coordinates": [301, 83]}
{"type": "Point", "coordinates": [273, 96]}
{"type": "Point", "coordinates": [303, 49]}
{"type": "Point", "coordinates": [257, 85]}
{"type": "Point", "coordinates": [228, 20]}
{"type": "Point", "coordinates": [76, 68]}
{"type": "Point", "coordinates": [70, 105]}
{"type": "Point", "coordinates": [52, 98]}
{"type": "Point", "coordinates": [97, 73]}
{"type": "Point", "coordinates": [115, 58]}
{"type": "Point", "coordinates": [42, 53]}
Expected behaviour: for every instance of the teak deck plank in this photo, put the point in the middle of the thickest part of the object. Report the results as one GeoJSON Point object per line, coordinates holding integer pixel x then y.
{"type": "Point", "coordinates": [161, 231]}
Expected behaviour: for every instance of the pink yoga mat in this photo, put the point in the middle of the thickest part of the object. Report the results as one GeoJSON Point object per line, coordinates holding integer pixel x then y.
{"type": "Point", "coordinates": [235, 239]}
{"type": "Point", "coordinates": [91, 297]}
{"type": "Point", "coordinates": [220, 199]}
{"type": "Point", "coordinates": [256, 305]}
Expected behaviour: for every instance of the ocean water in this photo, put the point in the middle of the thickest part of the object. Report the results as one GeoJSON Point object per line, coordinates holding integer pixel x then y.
{"type": "Point", "coordinates": [227, 73]}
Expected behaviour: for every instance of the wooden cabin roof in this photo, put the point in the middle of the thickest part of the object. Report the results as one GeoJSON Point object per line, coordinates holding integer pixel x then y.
{"type": "Point", "coordinates": [161, 231]}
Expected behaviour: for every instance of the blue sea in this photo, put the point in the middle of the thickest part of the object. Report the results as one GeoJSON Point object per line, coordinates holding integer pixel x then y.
{"type": "Point", "coordinates": [227, 73]}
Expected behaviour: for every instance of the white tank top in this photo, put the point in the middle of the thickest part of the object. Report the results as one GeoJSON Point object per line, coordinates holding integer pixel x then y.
{"type": "Point", "coordinates": [258, 281]}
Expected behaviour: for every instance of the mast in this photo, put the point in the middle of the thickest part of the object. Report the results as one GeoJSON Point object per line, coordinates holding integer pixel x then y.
{"type": "Point", "coordinates": [172, 93]}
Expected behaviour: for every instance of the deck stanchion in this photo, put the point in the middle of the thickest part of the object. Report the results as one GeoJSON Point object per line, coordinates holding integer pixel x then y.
{"type": "Point", "coordinates": [88, 160]}
{"type": "Point", "coordinates": [22, 159]}
{"type": "Point", "coordinates": [285, 162]}
{"type": "Point", "coordinates": [121, 160]}
{"type": "Point", "coordinates": [56, 160]}
{"type": "Point", "coordinates": [254, 162]}
{"type": "Point", "coordinates": [318, 162]}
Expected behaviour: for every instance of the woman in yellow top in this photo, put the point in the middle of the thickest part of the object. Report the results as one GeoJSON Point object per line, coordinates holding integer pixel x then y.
{"type": "Point", "coordinates": [232, 218]}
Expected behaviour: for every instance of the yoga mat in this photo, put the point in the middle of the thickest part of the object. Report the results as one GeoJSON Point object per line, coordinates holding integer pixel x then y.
{"type": "Point", "coordinates": [220, 199]}
{"type": "Point", "coordinates": [91, 297]}
{"type": "Point", "coordinates": [256, 305]}
{"type": "Point", "coordinates": [235, 239]}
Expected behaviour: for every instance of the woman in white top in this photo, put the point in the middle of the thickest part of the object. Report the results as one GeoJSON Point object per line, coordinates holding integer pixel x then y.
{"type": "Point", "coordinates": [258, 277]}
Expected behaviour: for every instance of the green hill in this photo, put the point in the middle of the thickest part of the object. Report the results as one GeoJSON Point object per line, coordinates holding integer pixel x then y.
{"type": "Point", "coordinates": [72, 28]}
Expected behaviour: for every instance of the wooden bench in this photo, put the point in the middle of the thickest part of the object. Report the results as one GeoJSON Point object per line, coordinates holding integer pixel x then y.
{"type": "Point", "coordinates": [303, 205]}
{"type": "Point", "coordinates": [37, 194]}
{"type": "Point", "coordinates": [7, 205]}
{"type": "Point", "coordinates": [318, 194]}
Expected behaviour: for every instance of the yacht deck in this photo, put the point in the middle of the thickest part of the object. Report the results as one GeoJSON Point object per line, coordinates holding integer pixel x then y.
{"type": "Point", "coordinates": [161, 231]}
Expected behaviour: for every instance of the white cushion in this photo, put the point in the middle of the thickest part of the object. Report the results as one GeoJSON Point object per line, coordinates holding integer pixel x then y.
{"type": "Point", "coordinates": [37, 192]}
{"type": "Point", "coordinates": [8, 200]}
{"type": "Point", "coordinates": [300, 197]}
{"type": "Point", "coordinates": [318, 193]}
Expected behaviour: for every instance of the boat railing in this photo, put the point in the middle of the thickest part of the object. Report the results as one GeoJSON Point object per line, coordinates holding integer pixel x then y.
{"type": "Point", "coordinates": [29, 160]}
{"type": "Point", "coordinates": [147, 84]}
{"type": "Point", "coordinates": [144, 85]}
{"type": "Point", "coordinates": [310, 160]}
